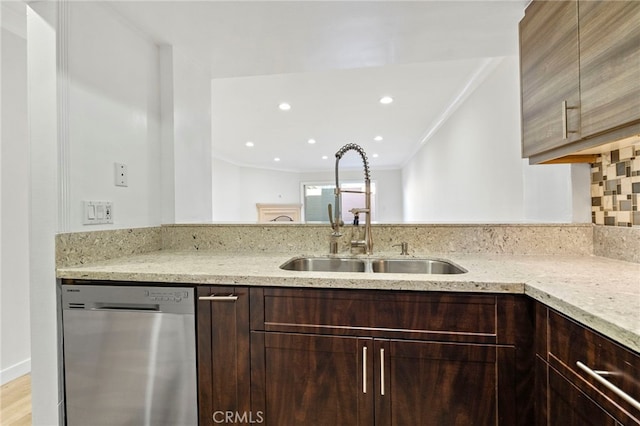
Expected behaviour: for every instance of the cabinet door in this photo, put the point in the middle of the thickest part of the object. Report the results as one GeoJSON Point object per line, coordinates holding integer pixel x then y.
{"type": "Point", "coordinates": [315, 380]}
{"type": "Point", "coordinates": [429, 383]}
{"type": "Point", "coordinates": [549, 76]}
{"type": "Point", "coordinates": [609, 64]}
{"type": "Point", "coordinates": [568, 406]}
{"type": "Point", "coordinates": [223, 354]}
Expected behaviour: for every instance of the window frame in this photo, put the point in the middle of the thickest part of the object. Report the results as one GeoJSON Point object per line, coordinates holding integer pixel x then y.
{"type": "Point", "coordinates": [324, 183]}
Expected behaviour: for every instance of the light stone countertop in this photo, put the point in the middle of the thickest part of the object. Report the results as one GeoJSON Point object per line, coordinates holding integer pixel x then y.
{"type": "Point", "coordinates": [601, 293]}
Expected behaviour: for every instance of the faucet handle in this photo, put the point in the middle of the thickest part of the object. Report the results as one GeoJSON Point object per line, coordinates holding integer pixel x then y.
{"type": "Point", "coordinates": [404, 248]}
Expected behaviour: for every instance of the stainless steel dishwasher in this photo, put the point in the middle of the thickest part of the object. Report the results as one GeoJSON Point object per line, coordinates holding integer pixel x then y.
{"type": "Point", "coordinates": [129, 355]}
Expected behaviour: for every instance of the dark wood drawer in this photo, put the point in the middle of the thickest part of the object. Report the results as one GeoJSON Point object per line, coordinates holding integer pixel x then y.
{"type": "Point", "coordinates": [423, 316]}
{"type": "Point", "coordinates": [572, 345]}
{"type": "Point", "coordinates": [568, 406]}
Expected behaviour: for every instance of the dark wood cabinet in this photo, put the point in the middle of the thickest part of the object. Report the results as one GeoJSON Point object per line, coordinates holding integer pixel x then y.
{"type": "Point", "coordinates": [390, 358]}
{"type": "Point", "coordinates": [223, 354]}
{"type": "Point", "coordinates": [579, 73]}
{"type": "Point", "coordinates": [549, 76]}
{"type": "Point", "coordinates": [433, 383]}
{"type": "Point", "coordinates": [571, 363]}
{"type": "Point", "coordinates": [302, 379]}
{"type": "Point", "coordinates": [568, 406]}
{"type": "Point", "coordinates": [285, 356]}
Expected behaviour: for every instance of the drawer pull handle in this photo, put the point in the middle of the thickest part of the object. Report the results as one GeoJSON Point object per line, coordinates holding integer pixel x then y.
{"type": "Point", "coordinates": [214, 298]}
{"type": "Point", "coordinates": [382, 372]}
{"type": "Point", "coordinates": [597, 375]}
{"type": "Point", "coordinates": [364, 369]}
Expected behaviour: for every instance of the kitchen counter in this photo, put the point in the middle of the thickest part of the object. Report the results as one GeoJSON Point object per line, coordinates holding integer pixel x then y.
{"type": "Point", "coordinates": [601, 293]}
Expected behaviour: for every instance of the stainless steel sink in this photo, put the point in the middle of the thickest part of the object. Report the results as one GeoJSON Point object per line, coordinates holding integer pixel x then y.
{"type": "Point", "coordinates": [376, 265]}
{"type": "Point", "coordinates": [324, 264]}
{"type": "Point", "coordinates": [415, 266]}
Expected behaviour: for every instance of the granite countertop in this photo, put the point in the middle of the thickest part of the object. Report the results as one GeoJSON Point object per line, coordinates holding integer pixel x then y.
{"type": "Point", "coordinates": [601, 293]}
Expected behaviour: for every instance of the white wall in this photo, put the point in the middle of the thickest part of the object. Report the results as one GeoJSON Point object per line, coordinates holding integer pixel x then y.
{"type": "Point", "coordinates": [44, 200]}
{"type": "Point", "coordinates": [131, 101]}
{"type": "Point", "coordinates": [167, 163]}
{"type": "Point", "coordinates": [185, 154]}
{"type": "Point", "coordinates": [192, 140]}
{"type": "Point", "coordinates": [15, 348]}
{"type": "Point", "coordinates": [114, 116]}
{"type": "Point", "coordinates": [581, 192]}
{"type": "Point", "coordinates": [226, 195]}
{"type": "Point", "coordinates": [236, 190]}
{"type": "Point", "coordinates": [471, 169]}
{"type": "Point", "coordinates": [557, 189]}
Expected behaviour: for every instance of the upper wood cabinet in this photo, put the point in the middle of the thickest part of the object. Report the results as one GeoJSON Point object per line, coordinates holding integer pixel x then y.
{"type": "Point", "coordinates": [549, 76]}
{"type": "Point", "coordinates": [580, 74]}
{"type": "Point", "coordinates": [609, 64]}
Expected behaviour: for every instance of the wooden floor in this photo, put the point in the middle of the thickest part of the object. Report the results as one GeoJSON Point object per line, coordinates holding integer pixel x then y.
{"type": "Point", "coordinates": [15, 402]}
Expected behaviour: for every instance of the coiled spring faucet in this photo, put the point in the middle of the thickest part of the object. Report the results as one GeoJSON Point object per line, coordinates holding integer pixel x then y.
{"type": "Point", "coordinates": [336, 221]}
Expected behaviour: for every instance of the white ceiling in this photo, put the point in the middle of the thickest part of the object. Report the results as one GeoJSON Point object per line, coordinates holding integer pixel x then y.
{"type": "Point", "coordinates": [332, 61]}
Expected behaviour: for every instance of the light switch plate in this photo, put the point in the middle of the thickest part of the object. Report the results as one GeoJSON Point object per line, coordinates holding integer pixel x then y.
{"type": "Point", "coordinates": [97, 212]}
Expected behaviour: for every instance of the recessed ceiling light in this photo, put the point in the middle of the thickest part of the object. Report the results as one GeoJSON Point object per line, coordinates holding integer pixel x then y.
{"type": "Point", "coordinates": [324, 157]}
{"type": "Point", "coordinates": [249, 144]}
{"type": "Point", "coordinates": [386, 100]}
{"type": "Point", "coordinates": [375, 155]}
{"type": "Point", "coordinates": [284, 106]}
{"type": "Point", "coordinates": [311, 141]}
{"type": "Point", "coordinates": [377, 138]}
{"type": "Point", "coordinates": [276, 159]}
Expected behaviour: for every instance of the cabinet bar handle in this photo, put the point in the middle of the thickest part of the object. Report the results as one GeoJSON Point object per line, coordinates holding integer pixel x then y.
{"type": "Point", "coordinates": [382, 371]}
{"type": "Point", "coordinates": [564, 120]}
{"type": "Point", "coordinates": [214, 298]}
{"type": "Point", "coordinates": [565, 127]}
{"type": "Point", "coordinates": [364, 369]}
{"type": "Point", "coordinates": [598, 377]}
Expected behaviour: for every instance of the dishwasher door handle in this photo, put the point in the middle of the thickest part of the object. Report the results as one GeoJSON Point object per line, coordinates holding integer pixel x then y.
{"type": "Point", "coordinates": [214, 298]}
{"type": "Point", "coordinates": [125, 307]}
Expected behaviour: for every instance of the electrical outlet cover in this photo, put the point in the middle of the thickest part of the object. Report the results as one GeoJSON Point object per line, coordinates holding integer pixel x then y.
{"type": "Point", "coordinates": [121, 174]}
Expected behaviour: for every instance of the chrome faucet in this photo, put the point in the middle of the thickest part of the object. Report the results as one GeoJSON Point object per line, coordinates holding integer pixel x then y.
{"type": "Point", "coordinates": [336, 221]}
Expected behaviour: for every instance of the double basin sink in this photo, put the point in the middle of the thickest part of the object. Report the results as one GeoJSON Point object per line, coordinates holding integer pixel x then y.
{"type": "Point", "coordinates": [376, 265]}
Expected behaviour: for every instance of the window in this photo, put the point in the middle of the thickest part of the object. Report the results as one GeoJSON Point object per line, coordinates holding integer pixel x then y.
{"type": "Point", "coordinates": [318, 196]}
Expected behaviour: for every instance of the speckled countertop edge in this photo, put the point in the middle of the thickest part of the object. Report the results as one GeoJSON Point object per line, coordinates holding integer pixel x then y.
{"type": "Point", "coordinates": [601, 293]}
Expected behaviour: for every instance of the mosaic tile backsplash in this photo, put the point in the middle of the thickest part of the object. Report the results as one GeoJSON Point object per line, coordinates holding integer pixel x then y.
{"type": "Point", "coordinates": [615, 188]}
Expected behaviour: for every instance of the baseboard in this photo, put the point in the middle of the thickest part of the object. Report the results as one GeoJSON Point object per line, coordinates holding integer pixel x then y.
{"type": "Point", "coordinates": [15, 371]}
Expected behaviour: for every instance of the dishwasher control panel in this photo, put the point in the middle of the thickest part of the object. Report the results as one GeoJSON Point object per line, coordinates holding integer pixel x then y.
{"type": "Point", "coordinates": [94, 297]}
{"type": "Point", "coordinates": [162, 295]}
